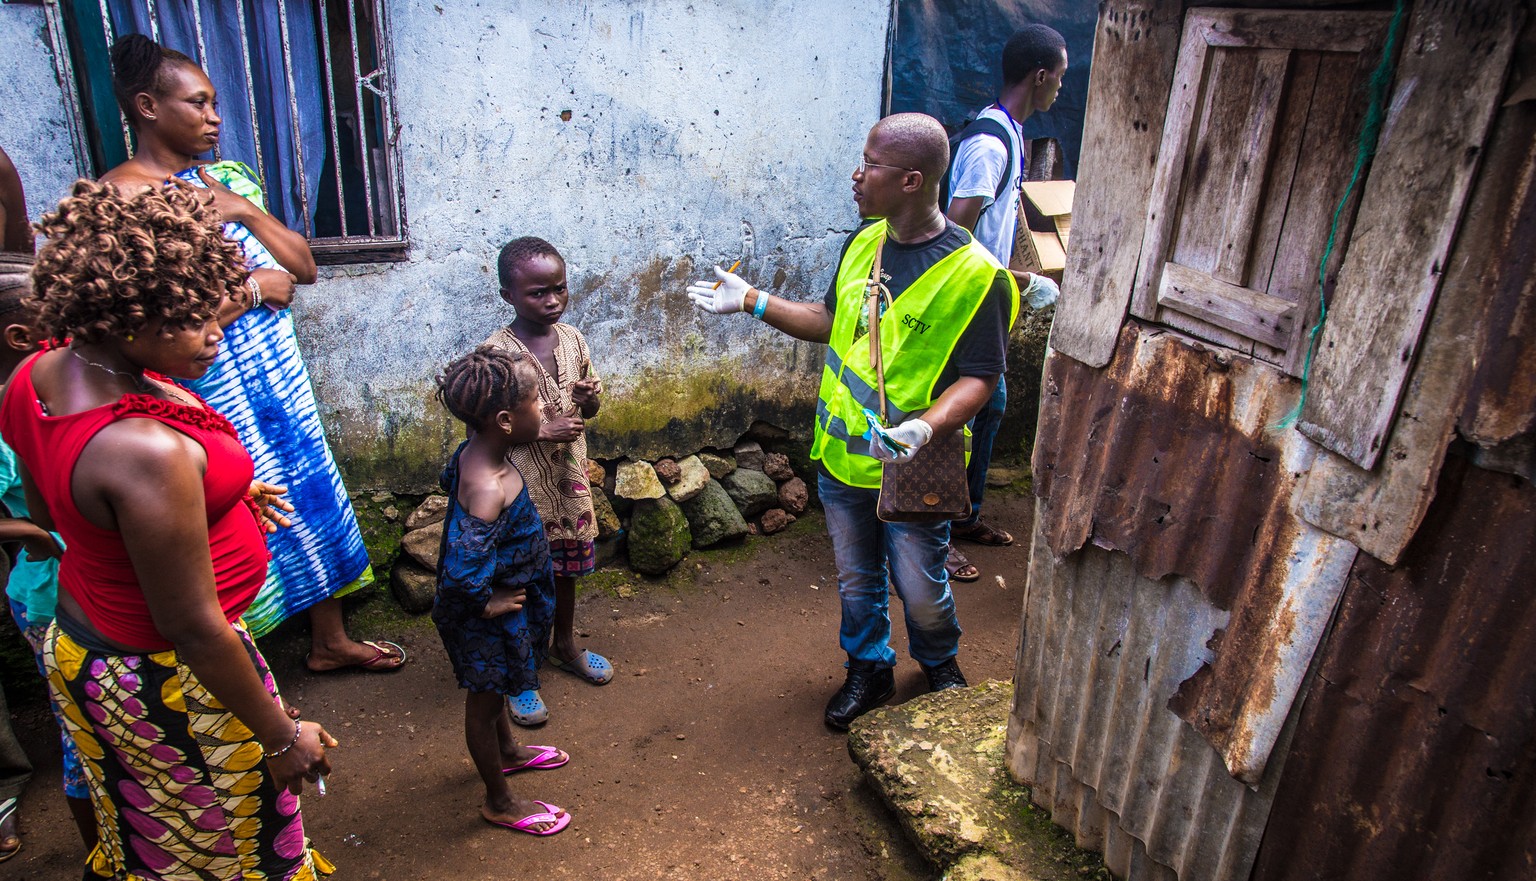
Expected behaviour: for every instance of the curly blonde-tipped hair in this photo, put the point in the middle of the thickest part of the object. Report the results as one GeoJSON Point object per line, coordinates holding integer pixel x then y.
{"type": "Point", "coordinates": [114, 263]}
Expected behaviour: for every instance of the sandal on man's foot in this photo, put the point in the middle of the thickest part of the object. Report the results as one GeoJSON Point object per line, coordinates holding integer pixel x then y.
{"type": "Point", "coordinates": [958, 567]}
{"type": "Point", "coordinates": [982, 533]}
{"type": "Point", "coordinates": [590, 666]}
{"type": "Point", "coordinates": [527, 709]}
{"type": "Point", "coordinates": [8, 828]}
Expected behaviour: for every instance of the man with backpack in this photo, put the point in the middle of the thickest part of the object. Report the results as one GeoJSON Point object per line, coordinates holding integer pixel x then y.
{"type": "Point", "coordinates": [982, 195]}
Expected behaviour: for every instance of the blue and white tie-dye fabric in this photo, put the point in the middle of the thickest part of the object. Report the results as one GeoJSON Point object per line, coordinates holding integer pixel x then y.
{"type": "Point", "coordinates": [260, 384]}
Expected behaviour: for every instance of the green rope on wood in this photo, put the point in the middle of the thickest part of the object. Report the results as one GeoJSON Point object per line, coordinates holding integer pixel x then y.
{"type": "Point", "coordinates": [1370, 132]}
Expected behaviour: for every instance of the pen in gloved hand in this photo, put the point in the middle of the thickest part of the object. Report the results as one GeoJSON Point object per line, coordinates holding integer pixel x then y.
{"type": "Point", "coordinates": [734, 267]}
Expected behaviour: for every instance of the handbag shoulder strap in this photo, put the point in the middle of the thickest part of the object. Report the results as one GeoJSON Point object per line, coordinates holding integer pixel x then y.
{"type": "Point", "coordinates": [875, 292]}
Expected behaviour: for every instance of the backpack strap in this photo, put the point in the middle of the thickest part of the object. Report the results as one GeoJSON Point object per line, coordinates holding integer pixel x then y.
{"type": "Point", "coordinates": [979, 126]}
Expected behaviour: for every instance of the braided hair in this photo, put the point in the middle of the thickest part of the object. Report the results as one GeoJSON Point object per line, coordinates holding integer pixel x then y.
{"type": "Point", "coordinates": [485, 382]}
{"type": "Point", "coordinates": [15, 282]}
{"type": "Point", "coordinates": [138, 64]}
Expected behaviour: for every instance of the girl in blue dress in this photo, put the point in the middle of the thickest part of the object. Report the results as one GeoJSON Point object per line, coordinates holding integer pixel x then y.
{"type": "Point", "coordinates": [495, 584]}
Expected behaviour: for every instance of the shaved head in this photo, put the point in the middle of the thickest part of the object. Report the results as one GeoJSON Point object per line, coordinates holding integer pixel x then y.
{"type": "Point", "coordinates": [914, 140]}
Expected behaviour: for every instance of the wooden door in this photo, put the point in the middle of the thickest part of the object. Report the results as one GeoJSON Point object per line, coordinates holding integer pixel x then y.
{"type": "Point", "coordinates": [1257, 150]}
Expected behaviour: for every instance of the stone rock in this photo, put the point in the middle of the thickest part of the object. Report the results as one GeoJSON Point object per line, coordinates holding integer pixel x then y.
{"type": "Point", "coordinates": [668, 471]}
{"type": "Point", "coordinates": [424, 544]}
{"type": "Point", "coordinates": [749, 454]}
{"type": "Point", "coordinates": [939, 760]}
{"type": "Point", "coordinates": [606, 550]}
{"type": "Point", "coordinates": [413, 586]}
{"type": "Point", "coordinates": [691, 480]}
{"type": "Point", "coordinates": [776, 465]}
{"type": "Point", "coordinates": [608, 524]}
{"type": "Point", "coordinates": [658, 536]}
{"type": "Point", "coordinates": [774, 520]}
{"type": "Point", "coordinates": [718, 465]}
{"type": "Point", "coordinates": [381, 533]}
{"type": "Point", "coordinates": [636, 481]}
{"type": "Point", "coordinates": [793, 496]}
{"type": "Point", "coordinates": [432, 509]}
{"type": "Point", "coordinates": [597, 475]}
{"type": "Point", "coordinates": [753, 491]}
{"type": "Point", "coordinates": [713, 517]}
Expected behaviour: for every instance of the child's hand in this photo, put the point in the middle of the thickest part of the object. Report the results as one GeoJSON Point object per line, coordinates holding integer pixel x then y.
{"type": "Point", "coordinates": [586, 392]}
{"type": "Point", "coordinates": [268, 507]}
{"type": "Point", "coordinates": [502, 601]}
{"type": "Point", "coordinates": [563, 428]}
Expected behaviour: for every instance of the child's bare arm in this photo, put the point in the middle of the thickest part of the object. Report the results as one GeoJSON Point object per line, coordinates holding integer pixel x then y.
{"type": "Point", "coordinates": [504, 600]}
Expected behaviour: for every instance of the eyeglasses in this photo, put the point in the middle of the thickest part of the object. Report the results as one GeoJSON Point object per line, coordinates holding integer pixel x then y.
{"type": "Point", "coordinates": [865, 165]}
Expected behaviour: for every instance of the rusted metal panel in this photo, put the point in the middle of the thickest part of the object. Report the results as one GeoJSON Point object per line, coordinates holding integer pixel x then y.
{"type": "Point", "coordinates": [1167, 455]}
{"type": "Point", "coordinates": [1414, 751]}
{"type": "Point", "coordinates": [1103, 649]}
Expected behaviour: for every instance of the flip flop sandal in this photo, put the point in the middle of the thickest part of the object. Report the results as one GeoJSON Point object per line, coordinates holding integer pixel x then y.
{"type": "Point", "coordinates": [550, 814]}
{"type": "Point", "coordinates": [549, 758]}
{"type": "Point", "coordinates": [383, 660]}
{"type": "Point", "coordinates": [982, 533]}
{"type": "Point", "coordinates": [527, 709]}
{"type": "Point", "coordinates": [955, 563]}
{"type": "Point", "coordinates": [7, 811]}
{"type": "Point", "coordinates": [590, 666]}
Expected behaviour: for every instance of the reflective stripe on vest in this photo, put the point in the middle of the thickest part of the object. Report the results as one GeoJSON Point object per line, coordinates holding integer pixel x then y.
{"type": "Point", "coordinates": [918, 334]}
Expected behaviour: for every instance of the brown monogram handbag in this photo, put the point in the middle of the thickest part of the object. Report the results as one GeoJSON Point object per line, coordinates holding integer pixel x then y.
{"type": "Point", "coordinates": [930, 486]}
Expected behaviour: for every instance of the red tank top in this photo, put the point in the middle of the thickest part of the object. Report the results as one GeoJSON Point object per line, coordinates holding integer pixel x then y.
{"type": "Point", "coordinates": [95, 568]}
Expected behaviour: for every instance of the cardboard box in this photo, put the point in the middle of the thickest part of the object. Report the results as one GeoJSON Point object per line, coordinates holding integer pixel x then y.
{"type": "Point", "coordinates": [1045, 227]}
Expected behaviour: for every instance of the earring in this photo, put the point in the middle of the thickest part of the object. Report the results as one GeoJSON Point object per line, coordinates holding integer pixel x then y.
{"type": "Point", "coordinates": [130, 337]}
{"type": "Point", "coordinates": [149, 117]}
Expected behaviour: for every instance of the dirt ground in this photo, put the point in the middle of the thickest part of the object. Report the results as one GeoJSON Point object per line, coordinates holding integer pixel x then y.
{"type": "Point", "coordinates": [705, 758]}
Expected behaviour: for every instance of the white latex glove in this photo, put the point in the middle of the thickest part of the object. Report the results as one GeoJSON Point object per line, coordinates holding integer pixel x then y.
{"type": "Point", "coordinates": [914, 433]}
{"type": "Point", "coordinates": [723, 300]}
{"type": "Point", "coordinates": [1042, 291]}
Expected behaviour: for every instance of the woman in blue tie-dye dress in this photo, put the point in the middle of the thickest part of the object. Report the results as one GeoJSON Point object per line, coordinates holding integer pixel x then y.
{"type": "Point", "coordinates": [259, 380]}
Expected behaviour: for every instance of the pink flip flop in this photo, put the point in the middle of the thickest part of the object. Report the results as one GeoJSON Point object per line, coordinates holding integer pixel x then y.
{"type": "Point", "coordinates": [549, 757]}
{"type": "Point", "coordinates": [526, 824]}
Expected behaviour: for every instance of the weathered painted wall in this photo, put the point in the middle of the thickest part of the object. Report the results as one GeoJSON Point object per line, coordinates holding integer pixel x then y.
{"type": "Point", "coordinates": [698, 133]}
{"type": "Point", "coordinates": [34, 126]}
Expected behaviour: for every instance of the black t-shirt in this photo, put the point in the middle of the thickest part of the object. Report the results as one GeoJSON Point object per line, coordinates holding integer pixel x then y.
{"type": "Point", "coordinates": [983, 347]}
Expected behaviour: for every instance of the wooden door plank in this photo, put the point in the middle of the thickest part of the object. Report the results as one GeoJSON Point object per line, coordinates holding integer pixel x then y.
{"type": "Point", "coordinates": [1335, 119]}
{"type": "Point", "coordinates": [1270, 70]}
{"type": "Point", "coordinates": [1213, 166]}
{"type": "Point", "coordinates": [1282, 171]}
{"type": "Point", "coordinates": [1134, 52]}
{"type": "Point", "coordinates": [1251, 313]}
{"type": "Point", "coordinates": [1408, 215]}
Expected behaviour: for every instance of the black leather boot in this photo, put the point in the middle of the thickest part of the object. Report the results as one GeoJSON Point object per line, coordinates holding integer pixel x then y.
{"type": "Point", "coordinates": [865, 689]}
{"type": "Point", "coordinates": [945, 675]}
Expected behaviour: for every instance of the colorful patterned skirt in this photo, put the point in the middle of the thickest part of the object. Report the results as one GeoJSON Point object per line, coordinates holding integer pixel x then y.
{"type": "Point", "coordinates": [179, 786]}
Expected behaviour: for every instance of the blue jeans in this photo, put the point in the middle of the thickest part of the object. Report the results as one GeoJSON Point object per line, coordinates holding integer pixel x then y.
{"type": "Point", "coordinates": [871, 556]}
{"type": "Point", "coordinates": [984, 427]}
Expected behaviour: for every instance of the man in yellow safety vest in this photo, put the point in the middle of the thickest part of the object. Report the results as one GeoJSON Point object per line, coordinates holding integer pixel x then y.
{"type": "Point", "coordinates": [944, 338]}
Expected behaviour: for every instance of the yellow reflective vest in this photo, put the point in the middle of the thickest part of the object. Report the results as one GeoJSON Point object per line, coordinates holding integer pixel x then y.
{"type": "Point", "coordinates": [918, 334]}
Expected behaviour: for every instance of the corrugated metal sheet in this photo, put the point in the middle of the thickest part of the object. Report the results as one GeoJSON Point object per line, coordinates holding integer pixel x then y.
{"type": "Point", "coordinates": [1103, 649]}
{"type": "Point", "coordinates": [1167, 455]}
{"type": "Point", "coordinates": [1415, 753]}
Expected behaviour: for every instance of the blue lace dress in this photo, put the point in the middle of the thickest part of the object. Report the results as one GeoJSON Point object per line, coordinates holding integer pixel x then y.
{"type": "Point", "coordinates": [500, 654]}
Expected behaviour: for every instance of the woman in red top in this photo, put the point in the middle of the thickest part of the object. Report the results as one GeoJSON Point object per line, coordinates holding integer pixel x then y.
{"type": "Point", "coordinates": [194, 766]}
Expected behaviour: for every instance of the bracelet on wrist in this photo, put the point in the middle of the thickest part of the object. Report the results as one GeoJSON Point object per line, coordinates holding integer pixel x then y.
{"type": "Point", "coordinates": [297, 729]}
{"type": "Point", "coordinates": [255, 287]}
{"type": "Point", "coordinates": [761, 306]}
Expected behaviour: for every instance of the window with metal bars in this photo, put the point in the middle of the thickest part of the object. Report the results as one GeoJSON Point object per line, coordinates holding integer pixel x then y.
{"type": "Point", "coordinates": [303, 91]}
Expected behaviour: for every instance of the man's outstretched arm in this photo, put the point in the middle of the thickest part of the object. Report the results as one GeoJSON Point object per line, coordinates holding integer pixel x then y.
{"type": "Point", "coordinates": [804, 321]}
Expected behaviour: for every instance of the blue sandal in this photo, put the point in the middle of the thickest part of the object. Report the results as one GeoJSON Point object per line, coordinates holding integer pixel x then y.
{"type": "Point", "coordinates": [527, 709]}
{"type": "Point", "coordinates": [590, 666]}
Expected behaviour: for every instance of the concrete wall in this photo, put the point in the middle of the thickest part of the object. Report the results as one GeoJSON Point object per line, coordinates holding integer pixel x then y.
{"type": "Point", "coordinates": [34, 127]}
{"type": "Point", "coordinates": [698, 133]}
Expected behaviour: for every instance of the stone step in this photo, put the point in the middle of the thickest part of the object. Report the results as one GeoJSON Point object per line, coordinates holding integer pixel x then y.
{"type": "Point", "coordinates": [938, 762]}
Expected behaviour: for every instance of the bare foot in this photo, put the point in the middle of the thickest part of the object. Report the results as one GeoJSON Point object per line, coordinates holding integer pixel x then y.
{"type": "Point", "coordinates": [373, 655]}
{"type": "Point", "coordinates": [519, 810]}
